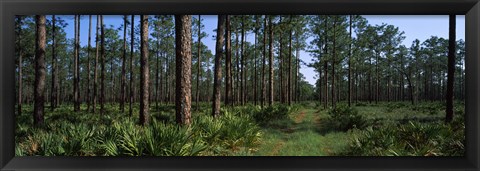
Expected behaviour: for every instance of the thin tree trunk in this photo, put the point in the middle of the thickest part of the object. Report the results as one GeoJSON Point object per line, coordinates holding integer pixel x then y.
{"type": "Point", "coordinates": [39, 89]}
{"type": "Point", "coordinates": [264, 57]}
{"type": "Point", "coordinates": [237, 72]}
{"type": "Point", "coordinates": [76, 72]}
{"type": "Point", "coordinates": [112, 78]}
{"type": "Point", "coordinates": [350, 65]}
{"type": "Point", "coordinates": [255, 62]}
{"type": "Point", "coordinates": [144, 72]}
{"type": "Point", "coordinates": [20, 68]}
{"type": "Point", "coordinates": [242, 65]}
{"type": "Point", "coordinates": [270, 98]}
{"type": "Point", "coordinates": [297, 71]}
{"type": "Point", "coordinates": [325, 63]}
{"type": "Point", "coordinates": [451, 68]}
{"type": "Point", "coordinates": [228, 65]}
{"type": "Point", "coordinates": [280, 62]}
{"type": "Point", "coordinates": [377, 78]}
{"type": "Point", "coordinates": [124, 65]}
{"type": "Point", "coordinates": [183, 42]}
{"type": "Point", "coordinates": [157, 68]}
{"type": "Point", "coordinates": [53, 97]}
{"type": "Point", "coordinates": [88, 62]}
{"type": "Point", "coordinates": [217, 81]}
{"type": "Point", "coordinates": [333, 61]}
{"type": "Point", "coordinates": [102, 68]}
{"type": "Point", "coordinates": [199, 61]}
{"type": "Point", "coordinates": [289, 79]}
{"type": "Point", "coordinates": [94, 107]}
{"type": "Point", "coordinates": [132, 40]}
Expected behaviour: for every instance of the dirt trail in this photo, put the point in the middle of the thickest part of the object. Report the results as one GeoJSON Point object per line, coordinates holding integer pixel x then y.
{"type": "Point", "coordinates": [299, 118]}
{"type": "Point", "coordinates": [276, 149]}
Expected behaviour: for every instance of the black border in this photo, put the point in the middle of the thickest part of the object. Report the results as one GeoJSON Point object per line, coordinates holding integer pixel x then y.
{"type": "Point", "coordinates": [10, 8]}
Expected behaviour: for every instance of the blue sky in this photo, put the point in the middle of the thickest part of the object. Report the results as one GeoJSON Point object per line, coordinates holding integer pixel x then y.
{"type": "Point", "coordinates": [415, 27]}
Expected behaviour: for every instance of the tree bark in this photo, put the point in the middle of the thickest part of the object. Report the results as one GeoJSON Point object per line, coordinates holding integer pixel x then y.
{"type": "Point", "coordinates": [88, 62]}
{"type": "Point", "coordinates": [255, 62]}
{"type": "Point", "coordinates": [217, 81]}
{"type": "Point", "coordinates": [350, 65]}
{"type": "Point", "coordinates": [264, 57]}
{"type": "Point", "coordinates": [228, 65]}
{"type": "Point", "coordinates": [237, 68]}
{"type": "Point", "coordinates": [144, 72]}
{"type": "Point", "coordinates": [20, 67]}
{"type": "Point", "coordinates": [54, 87]}
{"type": "Point", "coordinates": [333, 61]}
{"type": "Point", "coordinates": [242, 64]}
{"type": "Point", "coordinates": [199, 61]}
{"type": "Point", "coordinates": [97, 39]}
{"type": "Point", "coordinates": [132, 40]}
{"type": "Point", "coordinates": [39, 89]}
{"type": "Point", "coordinates": [102, 67]}
{"type": "Point", "coordinates": [289, 79]}
{"type": "Point", "coordinates": [270, 63]}
{"type": "Point", "coordinates": [183, 42]}
{"type": "Point", "coordinates": [76, 72]}
{"type": "Point", "coordinates": [451, 68]}
{"type": "Point", "coordinates": [124, 63]}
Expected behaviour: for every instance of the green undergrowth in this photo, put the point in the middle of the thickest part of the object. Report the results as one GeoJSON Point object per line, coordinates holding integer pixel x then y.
{"type": "Point", "coordinates": [237, 131]}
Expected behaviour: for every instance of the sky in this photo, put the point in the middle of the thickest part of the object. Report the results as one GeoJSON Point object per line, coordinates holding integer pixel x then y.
{"type": "Point", "coordinates": [419, 27]}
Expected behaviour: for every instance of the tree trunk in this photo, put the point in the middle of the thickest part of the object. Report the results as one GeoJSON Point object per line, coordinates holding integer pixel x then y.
{"type": "Point", "coordinates": [124, 63]}
{"type": "Point", "coordinates": [325, 63]}
{"type": "Point", "coordinates": [76, 72]}
{"type": "Point", "coordinates": [54, 87]}
{"type": "Point", "coordinates": [255, 62]}
{"type": "Point", "coordinates": [199, 61]}
{"type": "Point", "coordinates": [39, 89]}
{"type": "Point", "coordinates": [237, 68]}
{"type": "Point", "coordinates": [333, 62]}
{"type": "Point", "coordinates": [20, 67]}
{"type": "Point", "coordinates": [53, 94]}
{"type": "Point", "coordinates": [183, 42]}
{"type": "Point", "coordinates": [144, 72]}
{"type": "Point", "coordinates": [242, 65]}
{"type": "Point", "coordinates": [94, 107]}
{"type": "Point", "coordinates": [377, 79]}
{"type": "Point", "coordinates": [280, 62]}
{"type": "Point", "coordinates": [264, 81]}
{"type": "Point", "coordinates": [228, 65]}
{"type": "Point", "coordinates": [112, 78]}
{"type": "Point", "coordinates": [451, 68]}
{"type": "Point", "coordinates": [297, 71]}
{"type": "Point", "coordinates": [132, 40]}
{"type": "Point", "coordinates": [102, 67]}
{"type": "Point", "coordinates": [217, 80]}
{"type": "Point", "coordinates": [270, 63]}
{"type": "Point", "coordinates": [350, 65]}
{"type": "Point", "coordinates": [88, 62]}
{"type": "Point", "coordinates": [289, 79]}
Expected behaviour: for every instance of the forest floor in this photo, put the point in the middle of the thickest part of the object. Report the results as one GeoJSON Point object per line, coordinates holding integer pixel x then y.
{"type": "Point", "coordinates": [302, 135]}
{"type": "Point", "coordinates": [306, 130]}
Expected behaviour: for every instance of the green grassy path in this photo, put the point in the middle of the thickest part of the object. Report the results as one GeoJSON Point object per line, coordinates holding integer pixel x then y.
{"type": "Point", "coordinates": [302, 135]}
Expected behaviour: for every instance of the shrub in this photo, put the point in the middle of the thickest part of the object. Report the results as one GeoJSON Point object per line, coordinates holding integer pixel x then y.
{"type": "Point", "coordinates": [392, 106]}
{"type": "Point", "coordinates": [361, 104]}
{"type": "Point", "coordinates": [412, 139]}
{"type": "Point", "coordinates": [230, 131]}
{"type": "Point", "coordinates": [344, 118]}
{"type": "Point", "coordinates": [272, 113]}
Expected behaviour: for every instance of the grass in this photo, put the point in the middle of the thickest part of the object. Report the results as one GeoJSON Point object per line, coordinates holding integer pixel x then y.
{"type": "Point", "coordinates": [301, 135]}
{"type": "Point", "coordinates": [298, 130]}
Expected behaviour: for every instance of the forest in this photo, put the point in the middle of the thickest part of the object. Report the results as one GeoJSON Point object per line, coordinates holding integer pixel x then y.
{"type": "Point", "coordinates": [152, 85]}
